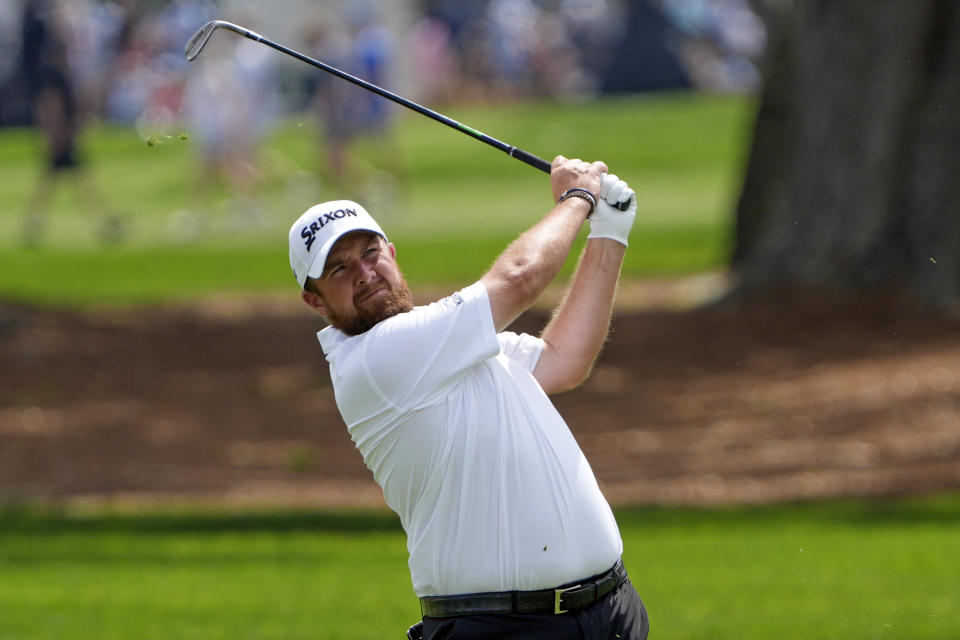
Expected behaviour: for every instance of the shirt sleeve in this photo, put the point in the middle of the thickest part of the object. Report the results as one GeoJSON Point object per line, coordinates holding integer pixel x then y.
{"type": "Point", "coordinates": [522, 348]}
{"type": "Point", "coordinates": [415, 357]}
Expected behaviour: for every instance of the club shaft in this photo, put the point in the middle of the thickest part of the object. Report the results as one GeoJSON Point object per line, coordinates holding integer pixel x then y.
{"type": "Point", "coordinates": [514, 152]}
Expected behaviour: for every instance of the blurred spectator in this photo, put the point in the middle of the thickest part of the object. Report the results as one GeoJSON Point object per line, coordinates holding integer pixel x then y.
{"type": "Point", "coordinates": [430, 46]}
{"type": "Point", "coordinates": [720, 42]}
{"type": "Point", "coordinates": [150, 69]}
{"type": "Point", "coordinates": [645, 56]}
{"type": "Point", "coordinates": [576, 48]}
{"type": "Point", "coordinates": [347, 113]}
{"type": "Point", "coordinates": [229, 105]}
{"type": "Point", "coordinates": [513, 33]}
{"type": "Point", "coordinates": [527, 48]}
{"type": "Point", "coordinates": [92, 33]}
{"type": "Point", "coordinates": [575, 45]}
{"type": "Point", "coordinates": [55, 111]}
{"type": "Point", "coordinates": [142, 65]}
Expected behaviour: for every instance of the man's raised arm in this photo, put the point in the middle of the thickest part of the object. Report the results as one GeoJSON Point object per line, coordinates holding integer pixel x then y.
{"type": "Point", "coordinates": [579, 326]}
{"type": "Point", "coordinates": [532, 261]}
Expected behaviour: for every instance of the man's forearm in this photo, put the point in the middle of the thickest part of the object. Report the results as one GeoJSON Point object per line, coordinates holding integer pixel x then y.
{"type": "Point", "coordinates": [532, 261]}
{"type": "Point", "coordinates": [540, 252]}
{"type": "Point", "coordinates": [578, 329]}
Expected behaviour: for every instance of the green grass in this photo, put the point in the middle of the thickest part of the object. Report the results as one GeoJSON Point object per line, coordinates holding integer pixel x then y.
{"type": "Point", "coordinates": [452, 206]}
{"type": "Point", "coordinates": [845, 570]}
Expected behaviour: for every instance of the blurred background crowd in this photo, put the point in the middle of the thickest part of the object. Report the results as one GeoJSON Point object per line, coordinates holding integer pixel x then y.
{"type": "Point", "coordinates": [124, 58]}
{"type": "Point", "coordinates": [66, 62]}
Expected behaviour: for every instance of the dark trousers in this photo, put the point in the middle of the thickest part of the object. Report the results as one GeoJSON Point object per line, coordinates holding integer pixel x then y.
{"type": "Point", "coordinates": [619, 616]}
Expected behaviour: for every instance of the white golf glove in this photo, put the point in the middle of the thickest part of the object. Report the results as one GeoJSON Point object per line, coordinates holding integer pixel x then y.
{"type": "Point", "coordinates": [607, 220]}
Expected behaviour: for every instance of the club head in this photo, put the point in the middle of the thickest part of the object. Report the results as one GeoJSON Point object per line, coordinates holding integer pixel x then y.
{"type": "Point", "coordinates": [199, 40]}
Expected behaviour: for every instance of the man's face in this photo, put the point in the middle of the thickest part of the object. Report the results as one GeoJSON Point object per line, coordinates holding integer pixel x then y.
{"type": "Point", "coordinates": [361, 284]}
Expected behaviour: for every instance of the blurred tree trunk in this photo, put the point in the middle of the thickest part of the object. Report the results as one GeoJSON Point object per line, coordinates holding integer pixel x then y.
{"type": "Point", "coordinates": [854, 174]}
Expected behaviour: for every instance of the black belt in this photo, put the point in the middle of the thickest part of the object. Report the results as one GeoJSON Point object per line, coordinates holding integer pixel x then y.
{"type": "Point", "coordinates": [560, 600]}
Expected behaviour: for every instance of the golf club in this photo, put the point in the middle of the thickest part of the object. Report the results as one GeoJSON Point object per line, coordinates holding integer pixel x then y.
{"type": "Point", "coordinates": [202, 36]}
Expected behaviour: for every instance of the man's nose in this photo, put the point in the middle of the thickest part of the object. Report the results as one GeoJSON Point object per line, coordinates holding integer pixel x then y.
{"type": "Point", "coordinates": [365, 272]}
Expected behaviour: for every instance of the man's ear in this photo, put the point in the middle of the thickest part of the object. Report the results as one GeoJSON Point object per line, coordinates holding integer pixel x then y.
{"type": "Point", "coordinates": [393, 250]}
{"type": "Point", "coordinates": [314, 301]}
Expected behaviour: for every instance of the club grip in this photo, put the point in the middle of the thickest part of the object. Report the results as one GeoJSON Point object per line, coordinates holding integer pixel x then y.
{"type": "Point", "coordinates": [532, 160]}
{"type": "Point", "coordinates": [543, 165]}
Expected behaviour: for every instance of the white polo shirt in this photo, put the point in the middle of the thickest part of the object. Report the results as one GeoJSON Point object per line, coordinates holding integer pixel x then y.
{"type": "Point", "coordinates": [490, 485]}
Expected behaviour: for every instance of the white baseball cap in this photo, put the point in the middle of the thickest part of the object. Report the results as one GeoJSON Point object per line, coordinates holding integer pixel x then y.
{"type": "Point", "coordinates": [315, 232]}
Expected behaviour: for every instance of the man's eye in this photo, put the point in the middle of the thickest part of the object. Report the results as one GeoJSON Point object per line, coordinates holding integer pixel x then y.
{"type": "Point", "coordinates": [371, 252]}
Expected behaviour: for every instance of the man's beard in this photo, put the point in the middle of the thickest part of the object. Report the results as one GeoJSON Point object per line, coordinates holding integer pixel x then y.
{"type": "Point", "coordinates": [397, 299]}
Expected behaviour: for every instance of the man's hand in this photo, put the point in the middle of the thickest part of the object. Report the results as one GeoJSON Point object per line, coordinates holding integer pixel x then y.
{"type": "Point", "coordinates": [607, 220]}
{"type": "Point", "coordinates": [567, 174]}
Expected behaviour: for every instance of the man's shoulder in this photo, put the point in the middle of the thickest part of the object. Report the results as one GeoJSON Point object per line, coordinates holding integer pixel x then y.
{"type": "Point", "coordinates": [424, 313]}
{"type": "Point", "coordinates": [395, 326]}
{"type": "Point", "coordinates": [458, 298]}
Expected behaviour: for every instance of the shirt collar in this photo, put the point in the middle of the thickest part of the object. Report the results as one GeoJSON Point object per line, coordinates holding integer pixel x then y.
{"type": "Point", "coordinates": [330, 339]}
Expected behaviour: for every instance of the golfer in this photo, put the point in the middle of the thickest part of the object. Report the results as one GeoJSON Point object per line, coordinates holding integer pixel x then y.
{"type": "Point", "coordinates": [508, 533]}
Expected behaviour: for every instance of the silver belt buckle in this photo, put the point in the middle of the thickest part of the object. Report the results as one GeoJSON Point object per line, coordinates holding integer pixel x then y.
{"type": "Point", "coordinates": [557, 593]}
